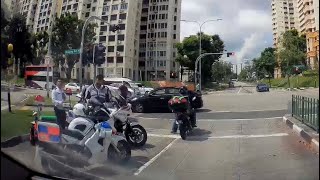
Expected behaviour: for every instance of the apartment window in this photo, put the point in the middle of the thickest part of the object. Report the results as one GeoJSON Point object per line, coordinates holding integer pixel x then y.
{"type": "Point", "coordinates": [110, 60]}
{"type": "Point", "coordinates": [122, 26]}
{"type": "Point", "coordinates": [143, 36]}
{"type": "Point", "coordinates": [87, 14]}
{"type": "Point", "coordinates": [93, 9]}
{"type": "Point", "coordinates": [123, 16]}
{"type": "Point", "coordinates": [63, 8]}
{"type": "Point", "coordinates": [110, 48]}
{"type": "Point", "coordinates": [144, 10]}
{"type": "Point", "coordinates": [175, 18]}
{"type": "Point", "coordinates": [75, 6]}
{"type": "Point", "coordinates": [120, 48]}
{"type": "Point", "coordinates": [88, 6]}
{"type": "Point", "coordinates": [102, 39]}
{"type": "Point", "coordinates": [113, 17]}
{"type": "Point", "coordinates": [175, 10]}
{"type": "Point", "coordinates": [124, 6]}
{"type": "Point", "coordinates": [105, 8]}
{"type": "Point", "coordinates": [119, 59]}
{"type": "Point", "coordinates": [174, 36]}
{"type": "Point", "coordinates": [94, 1]}
{"type": "Point", "coordinates": [144, 19]}
{"type": "Point", "coordinates": [174, 27]}
{"type": "Point", "coordinates": [105, 18]}
{"type": "Point", "coordinates": [103, 28]}
{"type": "Point", "coordinates": [69, 7]}
{"type": "Point", "coordinates": [112, 38]}
{"type": "Point", "coordinates": [121, 37]}
{"type": "Point", "coordinates": [114, 7]}
{"type": "Point", "coordinates": [144, 27]}
{"type": "Point", "coordinates": [142, 54]}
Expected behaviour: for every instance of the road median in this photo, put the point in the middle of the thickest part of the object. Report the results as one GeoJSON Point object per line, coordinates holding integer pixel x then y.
{"type": "Point", "coordinates": [310, 136]}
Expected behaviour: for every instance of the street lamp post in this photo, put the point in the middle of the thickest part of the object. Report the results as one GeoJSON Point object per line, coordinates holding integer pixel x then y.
{"type": "Point", "coordinates": [200, 42]}
{"type": "Point", "coordinates": [82, 42]}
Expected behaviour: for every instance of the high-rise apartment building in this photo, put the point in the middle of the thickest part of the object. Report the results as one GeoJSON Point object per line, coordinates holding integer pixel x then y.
{"type": "Point", "coordinates": [308, 12]}
{"type": "Point", "coordinates": [142, 47]}
{"type": "Point", "coordinates": [122, 45]}
{"type": "Point", "coordinates": [284, 17]}
{"type": "Point", "coordinates": [159, 32]}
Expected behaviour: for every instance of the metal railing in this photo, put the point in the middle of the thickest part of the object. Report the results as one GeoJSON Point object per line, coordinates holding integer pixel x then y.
{"type": "Point", "coordinates": [306, 110]}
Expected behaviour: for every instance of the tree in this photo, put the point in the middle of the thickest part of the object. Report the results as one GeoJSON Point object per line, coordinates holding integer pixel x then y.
{"type": "Point", "coordinates": [67, 32]}
{"type": "Point", "coordinates": [292, 51]}
{"type": "Point", "coordinates": [40, 41]}
{"type": "Point", "coordinates": [190, 48]}
{"type": "Point", "coordinates": [4, 21]}
{"type": "Point", "coordinates": [222, 71]}
{"type": "Point", "coordinates": [21, 40]}
{"type": "Point", "coordinates": [265, 64]}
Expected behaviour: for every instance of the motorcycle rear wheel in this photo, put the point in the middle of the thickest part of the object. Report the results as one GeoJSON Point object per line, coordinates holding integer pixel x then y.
{"type": "Point", "coordinates": [183, 131]}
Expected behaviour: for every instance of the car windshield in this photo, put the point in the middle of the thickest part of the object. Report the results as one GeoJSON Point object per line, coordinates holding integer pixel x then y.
{"type": "Point", "coordinates": [251, 68]}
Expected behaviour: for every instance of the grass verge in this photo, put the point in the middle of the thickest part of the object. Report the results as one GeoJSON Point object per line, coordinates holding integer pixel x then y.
{"type": "Point", "coordinates": [16, 123]}
{"type": "Point", "coordinates": [295, 82]}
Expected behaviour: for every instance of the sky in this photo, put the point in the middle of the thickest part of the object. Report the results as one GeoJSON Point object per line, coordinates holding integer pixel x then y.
{"type": "Point", "coordinates": [245, 28]}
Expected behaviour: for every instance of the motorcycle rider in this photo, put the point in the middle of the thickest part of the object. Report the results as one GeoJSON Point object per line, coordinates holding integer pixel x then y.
{"type": "Point", "coordinates": [99, 91]}
{"type": "Point", "coordinates": [191, 112]}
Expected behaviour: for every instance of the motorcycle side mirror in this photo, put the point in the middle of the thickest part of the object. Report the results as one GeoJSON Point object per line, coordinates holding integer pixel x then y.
{"type": "Point", "coordinates": [78, 96]}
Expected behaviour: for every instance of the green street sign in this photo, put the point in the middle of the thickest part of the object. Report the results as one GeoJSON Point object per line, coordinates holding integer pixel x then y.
{"type": "Point", "coordinates": [72, 51]}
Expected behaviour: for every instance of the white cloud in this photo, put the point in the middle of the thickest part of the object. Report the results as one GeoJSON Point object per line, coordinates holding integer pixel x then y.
{"type": "Point", "coordinates": [246, 27]}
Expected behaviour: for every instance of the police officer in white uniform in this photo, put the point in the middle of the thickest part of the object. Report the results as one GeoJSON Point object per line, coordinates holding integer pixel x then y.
{"type": "Point", "coordinates": [99, 91]}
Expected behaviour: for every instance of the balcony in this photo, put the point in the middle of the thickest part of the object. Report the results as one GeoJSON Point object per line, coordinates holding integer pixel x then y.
{"type": "Point", "coordinates": [311, 54]}
{"type": "Point", "coordinates": [312, 35]}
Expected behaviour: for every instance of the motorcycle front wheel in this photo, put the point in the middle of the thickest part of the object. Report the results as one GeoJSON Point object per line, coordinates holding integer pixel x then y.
{"type": "Point", "coordinates": [137, 136]}
{"type": "Point", "coordinates": [120, 157]}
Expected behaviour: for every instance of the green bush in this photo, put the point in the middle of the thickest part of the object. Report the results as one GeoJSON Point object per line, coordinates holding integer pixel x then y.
{"type": "Point", "coordinates": [309, 73]}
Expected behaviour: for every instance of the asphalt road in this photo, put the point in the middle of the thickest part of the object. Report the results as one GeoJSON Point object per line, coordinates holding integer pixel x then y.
{"type": "Point", "coordinates": [240, 135]}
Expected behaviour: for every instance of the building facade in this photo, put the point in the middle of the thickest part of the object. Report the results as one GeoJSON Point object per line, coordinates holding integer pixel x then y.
{"type": "Point", "coordinates": [308, 11]}
{"type": "Point", "coordinates": [159, 32]}
{"type": "Point", "coordinates": [302, 15]}
{"type": "Point", "coordinates": [284, 17]}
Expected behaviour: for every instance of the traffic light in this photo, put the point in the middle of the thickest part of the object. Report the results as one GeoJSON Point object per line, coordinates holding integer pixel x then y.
{"type": "Point", "coordinates": [173, 75]}
{"type": "Point", "coordinates": [230, 54]}
{"type": "Point", "coordinates": [100, 55]}
{"type": "Point", "coordinates": [115, 28]}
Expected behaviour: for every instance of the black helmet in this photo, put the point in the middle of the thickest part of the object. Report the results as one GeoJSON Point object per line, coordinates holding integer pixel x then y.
{"type": "Point", "coordinates": [183, 90]}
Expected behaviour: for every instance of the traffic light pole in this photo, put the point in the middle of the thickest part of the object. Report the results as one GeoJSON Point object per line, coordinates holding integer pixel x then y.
{"type": "Point", "coordinates": [94, 64]}
{"type": "Point", "coordinates": [196, 68]}
{"type": "Point", "coordinates": [82, 43]}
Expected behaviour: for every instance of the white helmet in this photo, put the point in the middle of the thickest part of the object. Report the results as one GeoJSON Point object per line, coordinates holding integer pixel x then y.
{"type": "Point", "coordinates": [79, 109]}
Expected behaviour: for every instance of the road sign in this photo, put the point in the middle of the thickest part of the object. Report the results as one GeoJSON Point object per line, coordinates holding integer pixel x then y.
{"type": "Point", "coordinates": [72, 51]}
{"type": "Point", "coordinates": [47, 59]}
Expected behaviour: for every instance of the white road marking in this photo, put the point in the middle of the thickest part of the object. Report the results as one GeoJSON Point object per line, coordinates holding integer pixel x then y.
{"type": "Point", "coordinates": [239, 90]}
{"type": "Point", "coordinates": [255, 119]}
{"type": "Point", "coordinates": [211, 120]}
{"type": "Point", "coordinates": [221, 137]}
{"type": "Point", "coordinates": [154, 158]}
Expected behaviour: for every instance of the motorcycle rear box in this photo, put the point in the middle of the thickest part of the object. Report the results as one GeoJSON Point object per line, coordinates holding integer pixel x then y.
{"type": "Point", "coordinates": [48, 132]}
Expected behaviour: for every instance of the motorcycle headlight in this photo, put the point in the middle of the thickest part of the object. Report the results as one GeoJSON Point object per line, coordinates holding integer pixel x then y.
{"type": "Point", "coordinates": [134, 99]}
